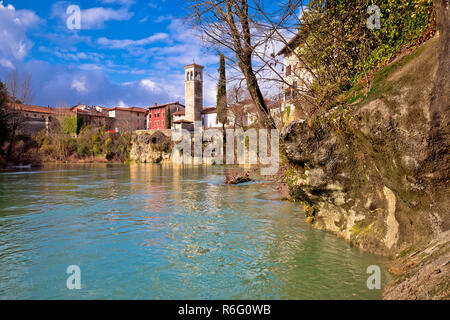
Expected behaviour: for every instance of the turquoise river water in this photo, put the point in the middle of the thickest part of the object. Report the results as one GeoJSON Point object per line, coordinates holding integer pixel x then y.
{"type": "Point", "coordinates": [165, 232]}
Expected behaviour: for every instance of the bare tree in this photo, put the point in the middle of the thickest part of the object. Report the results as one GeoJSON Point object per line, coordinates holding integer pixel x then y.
{"type": "Point", "coordinates": [237, 98]}
{"type": "Point", "coordinates": [227, 24]}
{"type": "Point", "coordinates": [21, 93]}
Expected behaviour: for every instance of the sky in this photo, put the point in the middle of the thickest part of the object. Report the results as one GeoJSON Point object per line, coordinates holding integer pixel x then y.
{"type": "Point", "coordinates": [127, 52]}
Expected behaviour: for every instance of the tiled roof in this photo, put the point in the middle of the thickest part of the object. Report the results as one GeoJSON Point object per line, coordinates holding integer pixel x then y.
{"type": "Point", "coordinates": [194, 65]}
{"type": "Point", "coordinates": [209, 110]}
{"type": "Point", "coordinates": [132, 109]}
{"type": "Point", "coordinates": [165, 105]}
{"type": "Point", "coordinates": [179, 113]}
{"type": "Point", "coordinates": [30, 108]}
{"type": "Point", "coordinates": [295, 41]}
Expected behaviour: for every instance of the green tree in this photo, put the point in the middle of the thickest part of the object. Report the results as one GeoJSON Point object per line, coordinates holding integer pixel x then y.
{"type": "Point", "coordinates": [222, 93]}
{"type": "Point", "coordinates": [168, 118]}
{"type": "Point", "coordinates": [70, 124]}
{"type": "Point", "coordinates": [337, 45]}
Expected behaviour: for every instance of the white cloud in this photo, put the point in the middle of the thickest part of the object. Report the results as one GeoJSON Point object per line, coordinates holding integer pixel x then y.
{"type": "Point", "coordinates": [95, 18]}
{"type": "Point", "coordinates": [121, 44]}
{"type": "Point", "coordinates": [13, 27]}
{"type": "Point", "coordinates": [164, 18]}
{"type": "Point", "coordinates": [121, 2]}
{"type": "Point", "coordinates": [92, 18]}
{"type": "Point", "coordinates": [79, 85]}
{"type": "Point", "coordinates": [6, 63]}
{"type": "Point", "coordinates": [153, 73]}
{"type": "Point", "coordinates": [148, 84]}
{"type": "Point", "coordinates": [122, 104]}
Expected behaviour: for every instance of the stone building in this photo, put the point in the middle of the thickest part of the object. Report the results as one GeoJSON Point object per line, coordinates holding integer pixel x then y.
{"type": "Point", "coordinates": [32, 119]}
{"type": "Point", "coordinates": [128, 119]}
{"type": "Point", "coordinates": [194, 92]}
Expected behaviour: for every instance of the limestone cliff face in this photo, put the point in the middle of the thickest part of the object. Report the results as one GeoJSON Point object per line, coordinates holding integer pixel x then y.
{"type": "Point", "coordinates": [368, 172]}
{"type": "Point", "coordinates": [148, 147]}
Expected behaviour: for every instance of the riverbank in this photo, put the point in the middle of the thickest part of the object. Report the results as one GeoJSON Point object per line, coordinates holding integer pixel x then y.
{"type": "Point", "coordinates": [369, 173]}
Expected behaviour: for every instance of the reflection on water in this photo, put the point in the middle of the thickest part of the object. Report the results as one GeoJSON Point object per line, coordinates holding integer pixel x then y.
{"type": "Point", "coordinates": [165, 232]}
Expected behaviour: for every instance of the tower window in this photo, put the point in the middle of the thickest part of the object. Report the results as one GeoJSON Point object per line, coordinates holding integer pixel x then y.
{"type": "Point", "coordinates": [288, 71]}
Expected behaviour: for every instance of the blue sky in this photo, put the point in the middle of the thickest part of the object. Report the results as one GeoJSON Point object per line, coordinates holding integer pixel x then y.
{"type": "Point", "coordinates": [127, 53]}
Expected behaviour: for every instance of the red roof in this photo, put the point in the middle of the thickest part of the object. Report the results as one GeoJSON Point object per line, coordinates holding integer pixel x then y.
{"type": "Point", "coordinates": [165, 105]}
{"type": "Point", "coordinates": [179, 113]}
{"type": "Point", "coordinates": [132, 109]}
{"type": "Point", "coordinates": [209, 110]}
{"type": "Point", "coordinates": [30, 108]}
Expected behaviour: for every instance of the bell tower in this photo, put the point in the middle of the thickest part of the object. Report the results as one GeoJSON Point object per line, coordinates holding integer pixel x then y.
{"type": "Point", "coordinates": [193, 92]}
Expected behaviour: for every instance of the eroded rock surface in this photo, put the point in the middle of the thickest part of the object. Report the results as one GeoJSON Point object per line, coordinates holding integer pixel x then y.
{"type": "Point", "coordinates": [151, 147]}
{"type": "Point", "coordinates": [376, 174]}
{"type": "Point", "coordinates": [368, 172]}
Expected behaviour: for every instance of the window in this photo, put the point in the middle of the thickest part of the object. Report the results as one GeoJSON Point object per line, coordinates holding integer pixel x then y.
{"type": "Point", "coordinates": [288, 70]}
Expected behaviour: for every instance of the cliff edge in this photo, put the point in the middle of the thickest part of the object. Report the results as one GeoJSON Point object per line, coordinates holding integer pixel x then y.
{"type": "Point", "coordinates": [377, 171]}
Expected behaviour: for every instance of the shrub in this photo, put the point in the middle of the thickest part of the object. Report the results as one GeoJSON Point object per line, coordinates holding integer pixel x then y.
{"type": "Point", "coordinates": [341, 50]}
{"type": "Point", "coordinates": [160, 142]}
{"type": "Point", "coordinates": [83, 149]}
{"type": "Point", "coordinates": [70, 124]}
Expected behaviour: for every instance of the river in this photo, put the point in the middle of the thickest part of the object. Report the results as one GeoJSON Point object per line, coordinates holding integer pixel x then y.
{"type": "Point", "coordinates": [166, 232]}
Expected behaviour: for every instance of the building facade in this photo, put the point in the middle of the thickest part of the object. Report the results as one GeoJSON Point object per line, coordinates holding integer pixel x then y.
{"type": "Point", "coordinates": [193, 92]}
{"type": "Point", "coordinates": [156, 115]}
{"type": "Point", "coordinates": [296, 78]}
{"type": "Point", "coordinates": [128, 119]}
{"type": "Point", "coordinates": [210, 119]}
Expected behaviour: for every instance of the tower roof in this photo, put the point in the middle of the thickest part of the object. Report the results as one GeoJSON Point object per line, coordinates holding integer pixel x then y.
{"type": "Point", "coordinates": [194, 65]}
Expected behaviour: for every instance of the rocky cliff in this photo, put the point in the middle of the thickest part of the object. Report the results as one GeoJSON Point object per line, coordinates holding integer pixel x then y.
{"type": "Point", "coordinates": [372, 172]}
{"type": "Point", "coordinates": [151, 147]}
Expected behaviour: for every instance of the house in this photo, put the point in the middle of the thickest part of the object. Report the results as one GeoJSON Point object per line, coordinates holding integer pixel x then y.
{"type": "Point", "coordinates": [156, 115]}
{"type": "Point", "coordinates": [31, 119]}
{"type": "Point", "coordinates": [296, 78]}
{"type": "Point", "coordinates": [128, 119]}
{"type": "Point", "coordinates": [209, 118]}
{"type": "Point", "coordinates": [93, 116]}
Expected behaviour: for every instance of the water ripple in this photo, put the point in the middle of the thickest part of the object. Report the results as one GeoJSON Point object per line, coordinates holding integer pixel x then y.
{"type": "Point", "coordinates": [155, 232]}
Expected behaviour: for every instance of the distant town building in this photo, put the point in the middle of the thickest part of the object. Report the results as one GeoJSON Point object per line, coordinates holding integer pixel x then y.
{"type": "Point", "coordinates": [295, 76]}
{"type": "Point", "coordinates": [156, 115]}
{"type": "Point", "coordinates": [33, 119]}
{"type": "Point", "coordinates": [209, 118]}
{"type": "Point", "coordinates": [129, 119]}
